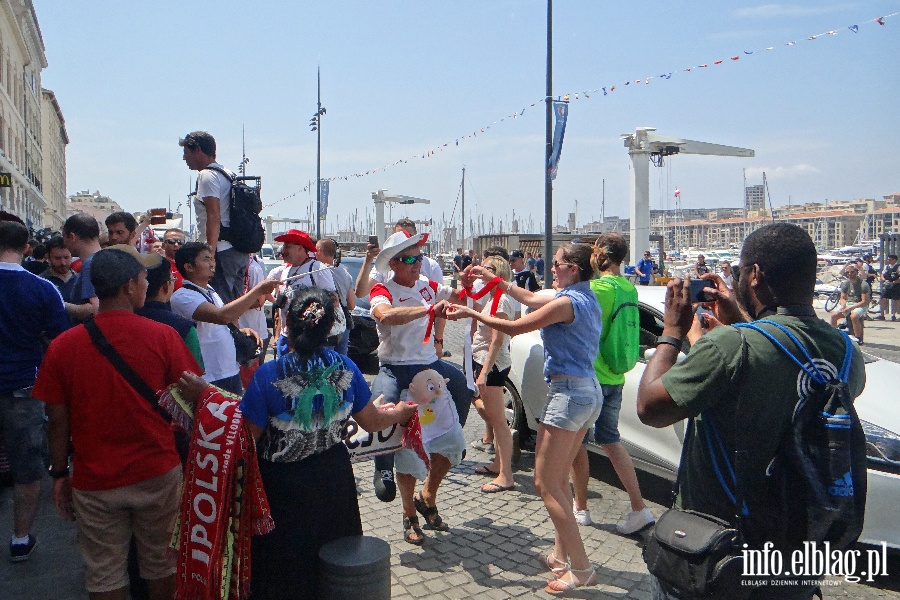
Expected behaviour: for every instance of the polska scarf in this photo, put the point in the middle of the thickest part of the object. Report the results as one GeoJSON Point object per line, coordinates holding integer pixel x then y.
{"type": "Point", "coordinates": [223, 501]}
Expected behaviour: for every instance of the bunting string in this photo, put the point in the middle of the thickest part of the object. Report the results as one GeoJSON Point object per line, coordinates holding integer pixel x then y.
{"type": "Point", "coordinates": [586, 94]}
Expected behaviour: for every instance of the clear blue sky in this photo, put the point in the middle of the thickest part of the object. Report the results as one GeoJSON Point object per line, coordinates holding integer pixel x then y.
{"type": "Point", "coordinates": [402, 78]}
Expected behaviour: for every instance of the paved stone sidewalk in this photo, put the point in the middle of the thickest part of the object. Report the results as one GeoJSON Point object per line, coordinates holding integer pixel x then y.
{"type": "Point", "coordinates": [490, 551]}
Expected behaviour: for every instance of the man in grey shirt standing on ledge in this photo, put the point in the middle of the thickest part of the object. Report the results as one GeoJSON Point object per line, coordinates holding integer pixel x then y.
{"type": "Point", "coordinates": [212, 206]}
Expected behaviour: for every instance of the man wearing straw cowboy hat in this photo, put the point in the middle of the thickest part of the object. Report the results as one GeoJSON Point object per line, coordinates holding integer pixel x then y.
{"type": "Point", "coordinates": [300, 270]}
{"type": "Point", "coordinates": [404, 308]}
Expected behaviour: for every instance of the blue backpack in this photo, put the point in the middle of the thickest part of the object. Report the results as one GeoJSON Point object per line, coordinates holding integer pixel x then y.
{"type": "Point", "coordinates": [817, 478]}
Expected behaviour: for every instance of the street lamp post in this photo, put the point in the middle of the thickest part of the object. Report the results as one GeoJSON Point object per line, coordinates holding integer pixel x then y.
{"type": "Point", "coordinates": [315, 124]}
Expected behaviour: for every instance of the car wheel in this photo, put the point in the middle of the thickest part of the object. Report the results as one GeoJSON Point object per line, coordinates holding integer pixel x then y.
{"type": "Point", "coordinates": [515, 410]}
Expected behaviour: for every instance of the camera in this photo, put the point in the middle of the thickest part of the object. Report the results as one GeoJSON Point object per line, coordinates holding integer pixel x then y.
{"type": "Point", "coordinates": [280, 301]}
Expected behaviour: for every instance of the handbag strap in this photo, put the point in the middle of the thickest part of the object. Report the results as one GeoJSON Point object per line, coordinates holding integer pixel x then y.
{"type": "Point", "coordinates": [716, 447]}
{"type": "Point", "coordinates": [127, 373]}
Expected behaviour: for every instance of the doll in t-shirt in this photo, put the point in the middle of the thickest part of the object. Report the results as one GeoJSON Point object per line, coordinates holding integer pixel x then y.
{"type": "Point", "coordinates": [442, 437]}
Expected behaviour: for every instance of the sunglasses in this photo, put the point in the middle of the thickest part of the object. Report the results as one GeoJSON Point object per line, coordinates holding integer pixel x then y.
{"type": "Point", "coordinates": [562, 264]}
{"type": "Point", "coordinates": [174, 242]}
{"type": "Point", "coordinates": [411, 260]}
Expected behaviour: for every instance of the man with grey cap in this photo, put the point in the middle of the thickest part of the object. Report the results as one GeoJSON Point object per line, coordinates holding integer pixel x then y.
{"type": "Point", "coordinates": [126, 476]}
{"type": "Point", "coordinates": [212, 205]}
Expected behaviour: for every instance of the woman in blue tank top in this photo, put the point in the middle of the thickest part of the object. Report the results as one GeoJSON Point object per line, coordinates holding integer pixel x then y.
{"type": "Point", "coordinates": [570, 326]}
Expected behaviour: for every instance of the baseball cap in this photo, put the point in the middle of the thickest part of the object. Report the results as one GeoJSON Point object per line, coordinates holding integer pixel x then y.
{"type": "Point", "coordinates": [112, 267]}
{"type": "Point", "coordinates": [517, 254]}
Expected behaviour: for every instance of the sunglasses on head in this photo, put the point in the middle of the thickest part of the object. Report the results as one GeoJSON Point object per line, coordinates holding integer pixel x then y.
{"type": "Point", "coordinates": [410, 260]}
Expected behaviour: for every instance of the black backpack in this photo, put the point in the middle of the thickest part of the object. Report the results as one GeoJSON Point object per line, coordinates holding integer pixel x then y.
{"type": "Point", "coordinates": [816, 482]}
{"type": "Point", "coordinates": [245, 229]}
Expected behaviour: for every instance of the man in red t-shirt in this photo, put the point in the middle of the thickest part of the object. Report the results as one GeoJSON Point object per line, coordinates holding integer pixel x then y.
{"type": "Point", "coordinates": [126, 478]}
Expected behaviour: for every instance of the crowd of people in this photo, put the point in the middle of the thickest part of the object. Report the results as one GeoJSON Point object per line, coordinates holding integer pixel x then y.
{"type": "Point", "coordinates": [97, 347]}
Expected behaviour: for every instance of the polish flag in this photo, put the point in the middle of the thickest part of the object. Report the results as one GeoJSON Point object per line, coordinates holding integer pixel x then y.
{"type": "Point", "coordinates": [677, 192]}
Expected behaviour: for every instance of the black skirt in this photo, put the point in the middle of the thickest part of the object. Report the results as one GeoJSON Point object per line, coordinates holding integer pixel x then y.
{"type": "Point", "coordinates": [313, 501]}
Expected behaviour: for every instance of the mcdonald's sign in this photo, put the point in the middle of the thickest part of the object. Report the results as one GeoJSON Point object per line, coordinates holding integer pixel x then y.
{"type": "Point", "coordinates": [5, 180]}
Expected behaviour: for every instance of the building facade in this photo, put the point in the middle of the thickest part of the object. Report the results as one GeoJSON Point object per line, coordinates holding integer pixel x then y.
{"type": "Point", "coordinates": [53, 141]}
{"type": "Point", "coordinates": [94, 204]}
{"type": "Point", "coordinates": [22, 58]}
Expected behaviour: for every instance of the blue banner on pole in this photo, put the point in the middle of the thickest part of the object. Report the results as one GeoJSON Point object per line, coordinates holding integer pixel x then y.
{"type": "Point", "coordinates": [561, 110]}
{"type": "Point", "coordinates": [323, 201]}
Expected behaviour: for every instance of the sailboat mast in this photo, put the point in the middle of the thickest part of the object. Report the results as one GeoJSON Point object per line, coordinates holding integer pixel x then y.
{"type": "Point", "coordinates": [462, 233]}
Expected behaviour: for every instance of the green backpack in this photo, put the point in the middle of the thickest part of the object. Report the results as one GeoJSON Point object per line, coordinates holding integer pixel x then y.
{"type": "Point", "coordinates": [620, 341]}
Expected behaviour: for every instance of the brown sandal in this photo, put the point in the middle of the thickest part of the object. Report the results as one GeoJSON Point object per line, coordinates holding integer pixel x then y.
{"type": "Point", "coordinates": [412, 533]}
{"type": "Point", "coordinates": [432, 518]}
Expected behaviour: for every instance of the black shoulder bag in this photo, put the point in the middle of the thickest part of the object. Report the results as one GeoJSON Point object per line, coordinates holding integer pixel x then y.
{"type": "Point", "coordinates": [696, 553]}
{"type": "Point", "coordinates": [182, 439]}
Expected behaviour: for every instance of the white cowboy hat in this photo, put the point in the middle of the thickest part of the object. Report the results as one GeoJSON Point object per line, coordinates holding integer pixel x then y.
{"type": "Point", "coordinates": [394, 245]}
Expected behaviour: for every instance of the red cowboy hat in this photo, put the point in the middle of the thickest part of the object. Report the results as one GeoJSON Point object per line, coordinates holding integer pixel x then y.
{"type": "Point", "coordinates": [295, 236]}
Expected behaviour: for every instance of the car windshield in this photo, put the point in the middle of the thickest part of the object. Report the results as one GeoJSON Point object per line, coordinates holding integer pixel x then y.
{"type": "Point", "coordinates": [353, 264]}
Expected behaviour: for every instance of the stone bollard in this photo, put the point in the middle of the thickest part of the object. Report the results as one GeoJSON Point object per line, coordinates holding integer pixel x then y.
{"type": "Point", "coordinates": [356, 567]}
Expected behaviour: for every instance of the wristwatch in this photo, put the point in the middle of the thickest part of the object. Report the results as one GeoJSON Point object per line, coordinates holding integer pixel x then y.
{"type": "Point", "coordinates": [438, 340]}
{"type": "Point", "coordinates": [668, 339]}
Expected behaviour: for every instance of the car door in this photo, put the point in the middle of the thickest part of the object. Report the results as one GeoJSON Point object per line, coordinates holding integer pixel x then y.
{"type": "Point", "coordinates": [654, 450]}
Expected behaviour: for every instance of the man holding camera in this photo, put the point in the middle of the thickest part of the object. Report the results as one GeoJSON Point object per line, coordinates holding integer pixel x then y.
{"type": "Point", "coordinates": [300, 269]}
{"type": "Point", "coordinates": [723, 376]}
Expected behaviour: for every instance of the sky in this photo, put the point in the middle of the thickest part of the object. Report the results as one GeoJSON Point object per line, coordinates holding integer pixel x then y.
{"type": "Point", "coordinates": [404, 79]}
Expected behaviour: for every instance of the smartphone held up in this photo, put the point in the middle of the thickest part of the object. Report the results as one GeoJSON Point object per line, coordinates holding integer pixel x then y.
{"type": "Point", "coordinates": [698, 289]}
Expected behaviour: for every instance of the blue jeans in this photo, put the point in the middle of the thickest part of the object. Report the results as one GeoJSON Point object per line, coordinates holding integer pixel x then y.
{"type": "Point", "coordinates": [392, 379]}
{"type": "Point", "coordinates": [228, 280]}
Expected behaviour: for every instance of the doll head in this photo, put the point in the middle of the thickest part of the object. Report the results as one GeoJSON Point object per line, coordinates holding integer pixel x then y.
{"type": "Point", "coordinates": [426, 386]}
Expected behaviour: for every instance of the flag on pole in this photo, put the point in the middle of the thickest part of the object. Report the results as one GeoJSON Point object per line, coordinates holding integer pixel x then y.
{"type": "Point", "coordinates": [323, 201]}
{"type": "Point", "coordinates": [561, 110]}
{"type": "Point", "coordinates": [677, 192]}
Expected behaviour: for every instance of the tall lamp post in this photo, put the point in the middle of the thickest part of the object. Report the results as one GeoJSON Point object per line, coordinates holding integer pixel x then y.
{"type": "Point", "coordinates": [315, 124]}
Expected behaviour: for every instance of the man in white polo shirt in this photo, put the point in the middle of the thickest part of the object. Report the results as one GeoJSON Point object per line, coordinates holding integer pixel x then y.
{"type": "Point", "coordinates": [404, 308]}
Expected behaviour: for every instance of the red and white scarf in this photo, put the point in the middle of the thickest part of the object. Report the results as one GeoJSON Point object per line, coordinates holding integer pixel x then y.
{"type": "Point", "coordinates": [223, 502]}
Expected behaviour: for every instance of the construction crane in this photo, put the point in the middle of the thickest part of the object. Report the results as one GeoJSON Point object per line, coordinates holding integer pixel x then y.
{"type": "Point", "coordinates": [382, 197]}
{"type": "Point", "coordinates": [645, 147]}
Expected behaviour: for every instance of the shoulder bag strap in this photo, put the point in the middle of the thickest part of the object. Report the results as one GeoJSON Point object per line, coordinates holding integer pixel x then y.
{"type": "Point", "coordinates": [127, 373]}
{"type": "Point", "coordinates": [230, 177]}
{"type": "Point", "coordinates": [196, 288]}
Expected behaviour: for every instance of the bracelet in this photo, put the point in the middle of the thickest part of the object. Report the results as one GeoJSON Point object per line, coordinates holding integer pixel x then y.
{"type": "Point", "coordinates": [59, 473]}
{"type": "Point", "coordinates": [439, 341]}
{"type": "Point", "coordinates": [668, 339]}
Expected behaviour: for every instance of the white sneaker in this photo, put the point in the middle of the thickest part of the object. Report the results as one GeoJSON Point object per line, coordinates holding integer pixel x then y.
{"type": "Point", "coordinates": [635, 521]}
{"type": "Point", "coordinates": [582, 517]}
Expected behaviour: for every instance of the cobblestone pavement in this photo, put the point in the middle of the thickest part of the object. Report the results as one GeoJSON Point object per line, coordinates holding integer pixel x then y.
{"type": "Point", "coordinates": [490, 551]}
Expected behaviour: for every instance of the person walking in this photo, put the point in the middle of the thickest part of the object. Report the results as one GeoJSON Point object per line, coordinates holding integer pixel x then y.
{"type": "Point", "coordinates": [30, 309]}
{"type": "Point", "coordinates": [570, 324]}
{"type": "Point", "coordinates": [644, 269]}
{"type": "Point", "coordinates": [613, 251]}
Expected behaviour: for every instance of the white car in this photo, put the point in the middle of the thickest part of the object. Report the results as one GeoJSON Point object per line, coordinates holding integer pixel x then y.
{"type": "Point", "coordinates": [658, 451]}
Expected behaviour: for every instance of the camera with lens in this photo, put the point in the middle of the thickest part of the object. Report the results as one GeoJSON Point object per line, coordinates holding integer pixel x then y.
{"type": "Point", "coordinates": [280, 301]}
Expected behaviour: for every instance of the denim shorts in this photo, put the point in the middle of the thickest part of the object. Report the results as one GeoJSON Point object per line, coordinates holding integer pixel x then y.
{"type": "Point", "coordinates": [606, 429]}
{"type": "Point", "coordinates": [572, 403]}
{"type": "Point", "coordinates": [22, 421]}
